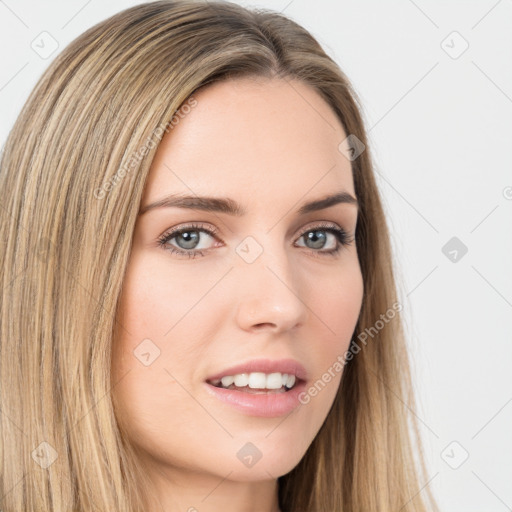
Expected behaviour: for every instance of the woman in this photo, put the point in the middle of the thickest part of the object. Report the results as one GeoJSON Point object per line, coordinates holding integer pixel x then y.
{"type": "Point", "coordinates": [199, 310]}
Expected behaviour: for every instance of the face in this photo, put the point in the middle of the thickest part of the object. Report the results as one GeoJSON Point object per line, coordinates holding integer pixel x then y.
{"type": "Point", "coordinates": [266, 294]}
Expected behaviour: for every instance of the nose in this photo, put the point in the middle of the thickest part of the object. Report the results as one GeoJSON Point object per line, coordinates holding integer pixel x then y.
{"type": "Point", "coordinates": [269, 294]}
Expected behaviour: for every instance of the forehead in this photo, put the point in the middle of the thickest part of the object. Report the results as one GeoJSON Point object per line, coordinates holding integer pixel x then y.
{"type": "Point", "coordinates": [252, 139]}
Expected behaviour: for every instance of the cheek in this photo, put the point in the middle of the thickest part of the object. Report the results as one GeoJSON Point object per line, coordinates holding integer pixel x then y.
{"type": "Point", "coordinates": [160, 298]}
{"type": "Point", "coordinates": [336, 302]}
{"type": "Point", "coordinates": [157, 346]}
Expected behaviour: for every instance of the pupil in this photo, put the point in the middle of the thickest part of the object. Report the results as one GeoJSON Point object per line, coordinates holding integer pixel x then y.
{"type": "Point", "coordinates": [318, 241]}
{"type": "Point", "coordinates": [191, 239]}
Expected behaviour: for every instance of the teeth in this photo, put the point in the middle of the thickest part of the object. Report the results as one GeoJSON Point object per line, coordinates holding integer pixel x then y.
{"type": "Point", "coordinates": [273, 381]}
{"type": "Point", "coordinates": [257, 380]}
{"type": "Point", "coordinates": [227, 381]}
{"type": "Point", "coordinates": [241, 380]}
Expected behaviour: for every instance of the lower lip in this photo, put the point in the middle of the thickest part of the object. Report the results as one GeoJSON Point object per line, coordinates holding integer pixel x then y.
{"type": "Point", "coordinates": [267, 405]}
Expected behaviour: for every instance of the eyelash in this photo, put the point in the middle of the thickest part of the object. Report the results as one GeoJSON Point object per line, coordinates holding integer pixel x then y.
{"type": "Point", "coordinates": [341, 236]}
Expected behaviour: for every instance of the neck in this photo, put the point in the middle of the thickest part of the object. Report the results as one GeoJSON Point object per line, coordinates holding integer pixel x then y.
{"type": "Point", "coordinates": [179, 490]}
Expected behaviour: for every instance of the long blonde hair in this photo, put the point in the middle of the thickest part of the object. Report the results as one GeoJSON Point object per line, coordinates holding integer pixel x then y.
{"type": "Point", "coordinates": [71, 190]}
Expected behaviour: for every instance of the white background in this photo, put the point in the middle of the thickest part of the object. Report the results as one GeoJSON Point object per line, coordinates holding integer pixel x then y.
{"type": "Point", "coordinates": [440, 132]}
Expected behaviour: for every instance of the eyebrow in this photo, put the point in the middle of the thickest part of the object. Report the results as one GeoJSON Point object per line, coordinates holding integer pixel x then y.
{"type": "Point", "coordinates": [231, 207]}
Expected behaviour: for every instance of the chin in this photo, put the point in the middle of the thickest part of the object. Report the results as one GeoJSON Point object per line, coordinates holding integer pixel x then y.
{"type": "Point", "coordinates": [266, 457]}
{"type": "Point", "coordinates": [262, 471]}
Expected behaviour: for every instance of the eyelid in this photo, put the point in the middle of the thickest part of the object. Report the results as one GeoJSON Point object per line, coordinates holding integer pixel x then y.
{"type": "Point", "coordinates": [215, 231]}
{"type": "Point", "coordinates": [342, 235]}
{"type": "Point", "coordinates": [191, 226]}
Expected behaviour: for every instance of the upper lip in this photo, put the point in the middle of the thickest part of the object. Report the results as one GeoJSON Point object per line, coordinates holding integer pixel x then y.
{"type": "Point", "coordinates": [288, 366]}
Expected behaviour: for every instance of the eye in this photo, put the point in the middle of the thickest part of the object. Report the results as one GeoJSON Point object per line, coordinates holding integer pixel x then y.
{"type": "Point", "coordinates": [187, 239]}
{"type": "Point", "coordinates": [325, 239]}
{"type": "Point", "coordinates": [318, 238]}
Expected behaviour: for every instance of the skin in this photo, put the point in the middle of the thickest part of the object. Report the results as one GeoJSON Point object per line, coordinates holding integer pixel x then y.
{"type": "Point", "coordinates": [270, 147]}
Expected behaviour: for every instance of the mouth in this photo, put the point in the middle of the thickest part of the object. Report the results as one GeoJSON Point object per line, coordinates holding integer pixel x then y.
{"type": "Point", "coordinates": [257, 382]}
{"type": "Point", "coordinates": [263, 387]}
